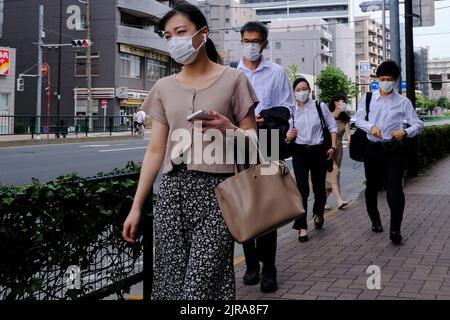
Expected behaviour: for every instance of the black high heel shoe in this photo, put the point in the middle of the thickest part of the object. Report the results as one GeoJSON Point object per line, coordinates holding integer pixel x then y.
{"type": "Point", "coordinates": [318, 222]}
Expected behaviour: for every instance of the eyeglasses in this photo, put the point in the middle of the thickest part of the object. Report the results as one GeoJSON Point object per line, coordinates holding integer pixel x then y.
{"type": "Point", "coordinates": [246, 42]}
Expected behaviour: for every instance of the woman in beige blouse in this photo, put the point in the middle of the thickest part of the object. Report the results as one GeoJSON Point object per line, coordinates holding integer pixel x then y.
{"type": "Point", "coordinates": [338, 107]}
{"type": "Point", "coordinates": [193, 247]}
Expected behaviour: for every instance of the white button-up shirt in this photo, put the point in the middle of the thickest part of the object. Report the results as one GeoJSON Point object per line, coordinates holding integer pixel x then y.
{"type": "Point", "coordinates": [387, 113]}
{"type": "Point", "coordinates": [271, 85]}
{"type": "Point", "coordinates": [308, 124]}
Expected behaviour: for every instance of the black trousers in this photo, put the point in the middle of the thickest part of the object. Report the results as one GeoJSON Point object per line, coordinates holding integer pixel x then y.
{"type": "Point", "coordinates": [385, 163]}
{"type": "Point", "coordinates": [310, 159]}
{"type": "Point", "coordinates": [262, 249]}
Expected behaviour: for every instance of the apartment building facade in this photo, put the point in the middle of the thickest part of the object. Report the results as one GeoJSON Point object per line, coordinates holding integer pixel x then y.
{"type": "Point", "coordinates": [128, 54]}
{"type": "Point", "coordinates": [369, 47]}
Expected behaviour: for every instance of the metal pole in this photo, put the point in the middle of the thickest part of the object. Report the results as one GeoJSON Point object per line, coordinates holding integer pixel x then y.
{"type": "Point", "coordinates": [394, 26]}
{"type": "Point", "coordinates": [49, 90]}
{"type": "Point", "coordinates": [88, 63]}
{"type": "Point", "coordinates": [383, 6]}
{"type": "Point", "coordinates": [288, 9]}
{"type": "Point", "coordinates": [409, 48]}
{"type": "Point", "coordinates": [58, 105]}
{"type": "Point", "coordinates": [39, 75]}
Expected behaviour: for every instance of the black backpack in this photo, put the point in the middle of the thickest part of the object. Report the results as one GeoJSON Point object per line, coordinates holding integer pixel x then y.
{"type": "Point", "coordinates": [358, 140]}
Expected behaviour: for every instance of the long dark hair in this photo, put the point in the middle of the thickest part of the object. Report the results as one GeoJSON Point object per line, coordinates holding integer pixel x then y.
{"type": "Point", "coordinates": [195, 16]}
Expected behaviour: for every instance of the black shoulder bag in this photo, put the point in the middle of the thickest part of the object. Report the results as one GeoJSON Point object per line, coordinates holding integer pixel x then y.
{"type": "Point", "coordinates": [326, 135]}
{"type": "Point", "coordinates": [358, 140]}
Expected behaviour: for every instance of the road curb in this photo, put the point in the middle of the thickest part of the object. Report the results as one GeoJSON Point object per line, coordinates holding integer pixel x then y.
{"type": "Point", "coordinates": [21, 143]}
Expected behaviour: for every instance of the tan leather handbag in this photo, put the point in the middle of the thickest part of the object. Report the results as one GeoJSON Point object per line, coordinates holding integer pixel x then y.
{"type": "Point", "coordinates": [254, 203]}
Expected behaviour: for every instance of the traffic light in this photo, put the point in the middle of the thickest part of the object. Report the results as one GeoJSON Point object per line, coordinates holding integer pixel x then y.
{"type": "Point", "coordinates": [81, 43]}
{"type": "Point", "coordinates": [20, 84]}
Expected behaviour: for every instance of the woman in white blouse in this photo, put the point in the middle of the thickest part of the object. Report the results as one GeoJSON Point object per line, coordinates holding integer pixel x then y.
{"type": "Point", "coordinates": [309, 154]}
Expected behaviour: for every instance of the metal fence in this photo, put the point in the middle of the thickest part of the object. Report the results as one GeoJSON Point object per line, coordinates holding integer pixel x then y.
{"type": "Point", "coordinates": [112, 266]}
{"type": "Point", "coordinates": [64, 125]}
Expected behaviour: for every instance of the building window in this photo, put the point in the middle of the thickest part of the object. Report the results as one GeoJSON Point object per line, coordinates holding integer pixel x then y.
{"type": "Point", "coordinates": [359, 34]}
{"type": "Point", "coordinates": [227, 20]}
{"type": "Point", "coordinates": [277, 45]}
{"type": "Point", "coordinates": [278, 61]}
{"type": "Point", "coordinates": [358, 45]}
{"type": "Point", "coordinates": [303, 59]}
{"type": "Point", "coordinates": [130, 66]}
{"type": "Point", "coordinates": [156, 69]}
{"type": "Point", "coordinates": [80, 64]}
{"type": "Point", "coordinates": [4, 102]}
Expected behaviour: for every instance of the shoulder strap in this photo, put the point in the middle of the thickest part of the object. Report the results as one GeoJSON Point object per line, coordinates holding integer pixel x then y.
{"type": "Point", "coordinates": [319, 110]}
{"type": "Point", "coordinates": [368, 99]}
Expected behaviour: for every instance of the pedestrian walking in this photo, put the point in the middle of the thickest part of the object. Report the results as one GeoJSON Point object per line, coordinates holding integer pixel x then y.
{"type": "Point", "coordinates": [273, 89]}
{"type": "Point", "coordinates": [193, 247]}
{"type": "Point", "coordinates": [384, 158]}
{"type": "Point", "coordinates": [338, 107]}
{"type": "Point", "coordinates": [309, 152]}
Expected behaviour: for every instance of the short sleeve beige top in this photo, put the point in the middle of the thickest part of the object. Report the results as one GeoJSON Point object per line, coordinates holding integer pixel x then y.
{"type": "Point", "coordinates": [170, 102]}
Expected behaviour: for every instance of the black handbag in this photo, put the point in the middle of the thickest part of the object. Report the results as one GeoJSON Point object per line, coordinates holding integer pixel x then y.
{"type": "Point", "coordinates": [326, 136]}
{"type": "Point", "coordinates": [358, 140]}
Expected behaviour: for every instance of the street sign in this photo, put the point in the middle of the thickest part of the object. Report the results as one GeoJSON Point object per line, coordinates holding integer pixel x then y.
{"type": "Point", "coordinates": [423, 11]}
{"type": "Point", "coordinates": [104, 103]}
{"type": "Point", "coordinates": [403, 84]}
{"type": "Point", "coordinates": [364, 69]}
{"type": "Point", "coordinates": [374, 85]}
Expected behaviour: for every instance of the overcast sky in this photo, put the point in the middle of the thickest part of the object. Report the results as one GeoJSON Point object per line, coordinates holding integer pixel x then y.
{"type": "Point", "coordinates": [437, 37]}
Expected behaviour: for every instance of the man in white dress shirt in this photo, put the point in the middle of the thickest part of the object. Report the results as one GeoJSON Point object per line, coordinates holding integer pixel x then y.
{"type": "Point", "coordinates": [273, 89]}
{"type": "Point", "coordinates": [385, 155]}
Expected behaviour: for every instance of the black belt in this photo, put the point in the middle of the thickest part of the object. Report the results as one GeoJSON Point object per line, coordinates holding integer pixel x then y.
{"type": "Point", "coordinates": [308, 146]}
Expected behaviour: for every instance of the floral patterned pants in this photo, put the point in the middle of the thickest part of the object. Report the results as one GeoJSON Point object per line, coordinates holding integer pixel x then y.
{"type": "Point", "coordinates": [193, 247]}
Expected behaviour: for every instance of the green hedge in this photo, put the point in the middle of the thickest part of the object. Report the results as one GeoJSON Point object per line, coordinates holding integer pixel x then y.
{"type": "Point", "coordinates": [59, 224]}
{"type": "Point", "coordinates": [433, 145]}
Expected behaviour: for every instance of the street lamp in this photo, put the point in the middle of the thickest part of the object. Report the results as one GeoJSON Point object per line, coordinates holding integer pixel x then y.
{"type": "Point", "coordinates": [314, 71]}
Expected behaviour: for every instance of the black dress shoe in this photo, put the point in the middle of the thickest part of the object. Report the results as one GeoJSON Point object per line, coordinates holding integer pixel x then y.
{"type": "Point", "coordinates": [396, 237]}
{"type": "Point", "coordinates": [269, 282]}
{"type": "Point", "coordinates": [251, 277]}
{"type": "Point", "coordinates": [318, 222]}
{"type": "Point", "coordinates": [303, 238]}
{"type": "Point", "coordinates": [377, 227]}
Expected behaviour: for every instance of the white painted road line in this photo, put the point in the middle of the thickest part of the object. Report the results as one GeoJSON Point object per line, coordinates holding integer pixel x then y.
{"type": "Point", "coordinates": [95, 146]}
{"type": "Point", "coordinates": [123, 149]}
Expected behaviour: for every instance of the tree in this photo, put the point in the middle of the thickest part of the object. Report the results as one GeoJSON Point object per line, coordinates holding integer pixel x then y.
{"type": "Point", "coordinates": [292, 72]}
{"type": "Point", "coordinates": [332, 81]}
{"type": "Point", "coordinates": [425, 103]}
{"type": "Point", "coordinates": [443, 102]}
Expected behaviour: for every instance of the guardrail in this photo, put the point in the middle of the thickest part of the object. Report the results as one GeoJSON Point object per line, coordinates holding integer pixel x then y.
{"type": "Point", "coordinates": [62, 126]}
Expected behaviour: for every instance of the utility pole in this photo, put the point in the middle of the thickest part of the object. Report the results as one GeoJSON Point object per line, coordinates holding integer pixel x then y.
{"type": "Point", "coordinates": [88, 63]}
{"type": "Point", "coordinates": [58, 106]}
{"type": "Point", "coordinates": [39, 69]}
{"type": "Point", "coordinates": [409, 48]}
{"type": "Point", "coordinates": [394, 26]}
{"type": "Point", "coordinates": [383, 27]}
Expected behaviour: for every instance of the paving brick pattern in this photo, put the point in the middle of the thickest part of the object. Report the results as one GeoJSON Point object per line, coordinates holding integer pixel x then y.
{"type": "Point", "coordinates": [333, 264]}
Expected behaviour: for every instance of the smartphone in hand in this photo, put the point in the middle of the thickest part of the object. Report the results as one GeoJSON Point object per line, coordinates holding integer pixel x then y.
{"type": "Point", "coordinates": [200, 115]}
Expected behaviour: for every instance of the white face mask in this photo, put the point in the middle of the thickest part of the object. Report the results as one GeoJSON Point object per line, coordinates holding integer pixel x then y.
{"type": "Point", "coordinates": [302, 96]}
{"type": "Point", "coordinates": [181, 49]}
{"type": "Point", "coordinates": [343, 107]}
{"type": "Point", "coordinates": [386, 86]}
{"type": "Point", "coordinates": [252, 51]}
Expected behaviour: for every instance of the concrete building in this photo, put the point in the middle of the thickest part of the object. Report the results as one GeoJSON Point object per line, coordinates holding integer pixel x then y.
{"type": "Point", "coordinates": [439, 68]}
{"type": "Point", "coordinates": [330, 10]}
{"type": "Point", "coordinates": [343, 55]}
{"type": "Point", "coordinates": [421, 69]}
{"type": "Point", "coordinates": [128, 56]}
{"type": "Point", "coordinates": [369, 46]}
{"type": "Point", "coordinates": [225, 17]}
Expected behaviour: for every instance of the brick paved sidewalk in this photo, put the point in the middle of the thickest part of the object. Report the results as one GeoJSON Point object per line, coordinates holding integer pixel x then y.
{"type": "Point", "coordinates": [333, 264]}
